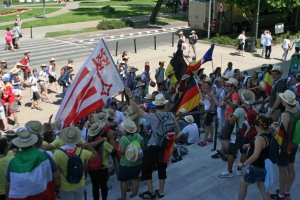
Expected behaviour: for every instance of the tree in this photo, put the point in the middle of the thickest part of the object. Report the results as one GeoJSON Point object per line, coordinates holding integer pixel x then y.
{"type": "Point", "coordinates": [152, 19]}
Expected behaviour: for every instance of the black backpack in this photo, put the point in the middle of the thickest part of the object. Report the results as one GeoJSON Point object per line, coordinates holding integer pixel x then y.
{"type": "Point", "coordinates": [74, 168]}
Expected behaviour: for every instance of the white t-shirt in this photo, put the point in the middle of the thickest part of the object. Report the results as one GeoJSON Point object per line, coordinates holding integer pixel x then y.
{"type": "Point", "coordinates": [43, 76]}
{"type": "Point", "coordinates": [229, 72]}
{"type": "Point", "coordinates": [33, 81]}
{"type": "Point", "coordinates": [84, 133]}
{"type": "Point", "coordinates": [286, 43]}
{"type": "Point", "coordinates": [268, 40]}
{"type": "Point", "coordinates": [192, 131]}
{"type": "Point", "coordinates": [262, 39]}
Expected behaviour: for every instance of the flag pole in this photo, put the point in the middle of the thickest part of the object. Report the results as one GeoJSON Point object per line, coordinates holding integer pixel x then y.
{"type": "Point", "coordinates": [212, 65]}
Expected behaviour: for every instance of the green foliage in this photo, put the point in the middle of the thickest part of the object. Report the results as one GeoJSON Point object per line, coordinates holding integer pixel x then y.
{"type": "Point", "coordinates": [107, 9]}
{"type": "Point", "coordinates": [224, 39]}
{"type": "Point", "coordinates": [114, 24]}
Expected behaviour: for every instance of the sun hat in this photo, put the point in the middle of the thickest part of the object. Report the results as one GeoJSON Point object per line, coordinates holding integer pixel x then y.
{"type": "Point", "coordinates": [148, 97]}
{"type": "Point", "coordinates": [52, 59]}
{"type": "Point", "coordinates": [133, 151]}
{"type": "Point", "coordinates": [180, 32]}
{"type": "Point", "coordinates": [276, 68]}
{"type": "Point", "coordinates": [247, 96]}
{"type": "Point", "coordinates": [69, 65]}
{"type": "Point", "coordinates": [130, 114]}
{"type": "Point", "coordinates": [288, 97]}
{"type": "Point", "coordinates": [43, 65]}
{"type": "Point", "coordinates": [35, 127]}
{"type": "Point", "coordinates": [128, 125]}
{"type": "Point", "coordinates": [233, 82]}
{"type": "Point", "coordinates": [95, 128]}
{"type": "Point", "coordinates": [159, 100]}
{"type": "Point", "coordinates": [140, 84]}
{"type": "Point", "coordinates": [10, 134]}
{"type": "Point", "coordinates": [26, 52]}
{"type": "Point", "coordinates": [183, 110]}
{"type": "Point", "coordinates": [25, 139]}
{"type": "Point", "coordinates": [102, 116]}
{"type": "Point", "coordinates": [193, 31]}
{"type": "Point", "coordinates": [125, 57]}
{"type": "Point", "coordinates": [70, 135]}
{"type": "Point", "coordinates": [132, 69]}
{"type": "Point", "coordinates": [110, 113]}
{"type": "Point", "coordinates": [15, 70]}
{"type": "Point", "coordinates": [19, 64]}
{"type": "Point", "coordinates": [2, 61]}
{"type": "Point", "coordinates": [189, 119]}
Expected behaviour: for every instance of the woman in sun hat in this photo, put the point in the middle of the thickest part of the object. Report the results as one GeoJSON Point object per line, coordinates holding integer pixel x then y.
{"type": "Point", "coordinates": [257, 154]}
{"type": "Point", "coordinates": [130, 163]}
{"type": "Point", "coordinates": [138, 93]}
{"type": "Point", "coordinates": [16, 83]}
{"type": "Point", "coordinates": [71, 137]}
{"type": "Point", "coordinates": [98, 168]}
{"type": "Point", "coordinates": [288, 150]}
{"type": "Point", "coordinates": [27, 164]}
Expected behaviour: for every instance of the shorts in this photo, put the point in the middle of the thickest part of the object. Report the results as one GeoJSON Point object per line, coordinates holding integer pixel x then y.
{"type": "Point", "coordinates": [52, 79]}
{"type": "Point", "coordinates": [35, 96]}
{"type": "Point", "coordinates": [13, 107]}
{"type": "Point", "coordinates": [17, 92]}
{"type": "Point", "coordinates": [284, 158]}
{"type": "Point", "coordinates": [129, 173]}
{"type": "Point", "coordinates": [2, 112]}
{"type": "Point", "coordinates": [209, 119]}
{"type": "Point", "coordinates": [238, 145]}
{"type": "Point", "coordinates": [254, 174]}
{"type": "Point", "coordinates": [42, 86]}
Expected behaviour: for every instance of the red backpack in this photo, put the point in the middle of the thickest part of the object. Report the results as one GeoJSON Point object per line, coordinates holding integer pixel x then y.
{"type": "Point", "coordinates": [248, 129]}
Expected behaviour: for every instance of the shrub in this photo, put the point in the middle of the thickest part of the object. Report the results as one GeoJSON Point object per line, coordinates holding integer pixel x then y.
{"type": "Point", "coordinates": [114, 24]}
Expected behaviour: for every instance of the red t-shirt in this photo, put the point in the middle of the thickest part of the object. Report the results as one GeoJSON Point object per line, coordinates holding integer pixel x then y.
{"type": "Point", "coordinates": [229, 109]}
{"type": "Point", "coordinates": [8, 91]}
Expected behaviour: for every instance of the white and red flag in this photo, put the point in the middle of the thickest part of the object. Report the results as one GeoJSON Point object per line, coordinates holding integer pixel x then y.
{"type": "Point", "coordinates": [96, 81]}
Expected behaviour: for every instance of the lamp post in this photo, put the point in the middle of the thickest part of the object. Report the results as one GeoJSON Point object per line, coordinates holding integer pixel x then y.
{"type": "Point", "coordinates": [257, 18]}
{"type": "Point", "coordinates": [44, 9]}
{"type": "Point", "coordinates": [209, 20]}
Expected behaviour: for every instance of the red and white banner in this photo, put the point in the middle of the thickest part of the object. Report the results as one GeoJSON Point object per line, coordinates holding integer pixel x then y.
{"type": "Point", "coordinates": [96, 81]}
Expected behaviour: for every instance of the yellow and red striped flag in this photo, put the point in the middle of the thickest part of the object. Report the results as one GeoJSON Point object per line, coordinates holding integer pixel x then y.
{"type": "Point", "coordinates": [269, 81]}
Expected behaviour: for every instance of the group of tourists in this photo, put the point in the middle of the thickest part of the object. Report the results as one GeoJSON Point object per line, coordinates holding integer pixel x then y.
{"type": "Point", "coordinates": [134, 136]}
{"type": "Point", "coordinates": [12, 37]}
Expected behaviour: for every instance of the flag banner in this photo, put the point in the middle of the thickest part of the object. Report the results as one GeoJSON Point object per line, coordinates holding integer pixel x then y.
{"type": "Point", "coordinates": [207, 57]}
{"type": "Point", "coordinates": [191, 97]}
{"type": "Point", "coordinates": [281, 139]}
{"type": "Point", "coordinates": [96, 81]}
{"type": "Point", "coordinates": [269, 82]}
{"type": "Point", "coordinates": [177, 66]}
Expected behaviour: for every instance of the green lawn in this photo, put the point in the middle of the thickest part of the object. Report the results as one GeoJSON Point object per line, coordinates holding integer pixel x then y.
{"type": "Point", "coordinates": [120, 3]}
{"type": "Point", "coordinates": [69, 32]}
{"type": "Point", "coordinates": [26, 14]}
{"type": "Point", "coordinates": [41, 5]}
{"type": "Point", "coordinates": [88, 14]}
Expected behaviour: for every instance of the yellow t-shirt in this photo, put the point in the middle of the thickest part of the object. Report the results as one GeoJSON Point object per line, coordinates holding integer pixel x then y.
{"type": "Point", "coordinates": [107, 149]}
{"type": "Point", "coordinates": [4, 162]}
{"type": "Point", "coordinates": [61, 160]}
{"type": "Point", "coordinates": [57, 143]}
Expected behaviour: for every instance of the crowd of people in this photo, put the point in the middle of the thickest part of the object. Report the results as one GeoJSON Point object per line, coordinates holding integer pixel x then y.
{"type": "Point", "coordinates": [12, 37]}
{"type": "Point", "coordinates": [135, 135]}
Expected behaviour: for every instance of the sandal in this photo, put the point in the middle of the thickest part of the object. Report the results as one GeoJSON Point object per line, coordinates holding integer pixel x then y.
{"type": "Point", "coordinates": [147, 195]}
{"type": "Point", "coordinates": [202, 144]}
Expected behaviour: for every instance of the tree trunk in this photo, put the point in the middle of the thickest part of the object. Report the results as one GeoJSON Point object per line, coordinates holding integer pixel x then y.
{"type": "Point", "coordinates": [152, 19]}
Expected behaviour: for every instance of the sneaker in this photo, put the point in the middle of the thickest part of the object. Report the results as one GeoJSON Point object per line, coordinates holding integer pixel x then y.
{"type": "Point", "coordinates": [226, 174]}
{"type": "Point", "coordinates": [161, 195]}
{"type": "Point", "coordinates": [276, 197]}
{"type": "Point", "coordinates": [16, 125]}
{"type": "Point", "coordinates": [238, 172]}
{"type": "Point", "coordinates": [147, 195]}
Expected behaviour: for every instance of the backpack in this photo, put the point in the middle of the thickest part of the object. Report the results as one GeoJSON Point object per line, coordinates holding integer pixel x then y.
{"type": "Point", "coordinates": [248, 128]}
{"type": "Point", "coordinates": [133, 151]}
{"type": "Point", "coordinates": [296, 133]}
{"type": "Point", "coordinates": [274, 148]}
{"type": "Point", "coordinates": [74, 168]}
{"type": "Point", "coordinates": [166, 125]}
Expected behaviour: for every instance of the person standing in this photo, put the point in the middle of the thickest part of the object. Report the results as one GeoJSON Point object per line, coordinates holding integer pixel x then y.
{"type": "Point", "coordinates": [192, 41]}
{"type": "Point", "coordinates": [4, 163]}
{"type": "Point", "coordinates": [66, 78]}
{"type": "Point", "coordinates": [286, 47]}
{"type": "Point", "coordinates": [160, 73]}
{"type": "Point", "coordinates": [25, 61]}
{"type": "Point", "coordinates": [9, 40]}
{"type": "Point", "coordinates": [268, 44]}
{"type": "Point", "coordinates": [52, 77]}
{"type": "Point", "coordinates": [18, 21]}
{"type": "Point", "coordinates": [241, 43]}
{"type": "Point", "coordinates": [296, 43]}
{"type": "Point", "coordinates": [145, 78]}
{"type": "Point", "coordinates": [42, 80]}
{"type": "Point", "coordinates": [17, 35]}
{"type": "Point", "coordinates": [32, 82]}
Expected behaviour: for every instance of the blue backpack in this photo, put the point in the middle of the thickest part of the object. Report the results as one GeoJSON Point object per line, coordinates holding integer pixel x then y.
{"type": "Point", "coordinates": [74, 168]}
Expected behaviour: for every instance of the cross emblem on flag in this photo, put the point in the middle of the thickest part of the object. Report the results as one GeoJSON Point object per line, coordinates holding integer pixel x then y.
{"type": "Point", "coordinates": [95, 82]}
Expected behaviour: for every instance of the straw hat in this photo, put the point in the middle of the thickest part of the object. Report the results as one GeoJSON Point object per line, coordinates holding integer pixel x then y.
{"type": "Point", "coordinates": [26, 52]}
{"type": "Point", "coordinates": [34, 127]}
{"type": "Point", "coordinates": [233, 82]}
{"type": "Point", "coordinates": [69, 65]}
{"type": "Point", "coordinates": [133, 151]}
{"type": "Point", "coordinates": [183, 110]}
{"type": "Point", "coordinates": [128, 125]}
{"type": "Point", "coordinates": [125, 57]}
{"type": "Point", "coordinates": [189, 119]}
{"type": "Point", "coordinates": [180, 33]}
{"type": "Point", "coordinates": [70, 135]}
{"type": "Point", "coordinates": [2, 61]}
{"type": "Point", "coordinates": [15, 70]}
{"type": "Point", "coordinates": [19, 64]}
{"type": "Point", "coordinates": [110, 113]}
{"type": "Point", "coordinates": [52, 59]}
{"type": "Point", "coordinates": [288, 97]}
{"type": "Point", "coordinates": [276, 68]}
{"type": "Point", "coordinates": [95, 128]}
{"type": "Point", "coordinates": [140, 84]}
{"type": "Point", "coordinates": [160, 100]}
{"type": "Point", "coordinates": [130, 114]}
{"type": "Point", "coordinates": [43, 65]}
{"type": "Point", "coordinates": [148, 97]}
{"type": "Point", "coordinates": [25, 139]}
{"type": "Point", "coordinates": [132, 69]}
{"type": "Point", "coordinates": [193, 31]}
{"type": "Point", "coordinates": [247, 96]}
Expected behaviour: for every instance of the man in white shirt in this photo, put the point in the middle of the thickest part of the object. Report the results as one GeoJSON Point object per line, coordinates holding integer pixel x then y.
{"type": "Point", "coordinates": [229, 72]}
{"type": "Point", "coordinates": [262, 43]}
{"type": "Point", "coordinates": [191, 131]}
{"type": "Point", "coordinates": [268, 44]}
{"type": "Point", "coordinates": [285, 46]}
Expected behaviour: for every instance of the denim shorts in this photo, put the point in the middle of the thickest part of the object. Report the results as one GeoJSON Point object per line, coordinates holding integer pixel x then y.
{"type": "Point", "coordinates": [255, 174]}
